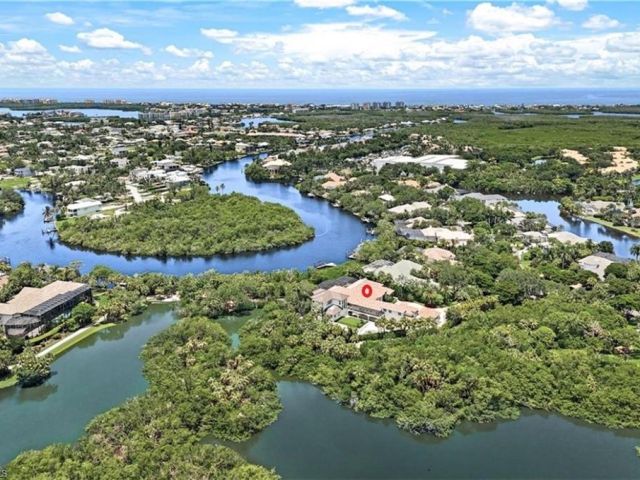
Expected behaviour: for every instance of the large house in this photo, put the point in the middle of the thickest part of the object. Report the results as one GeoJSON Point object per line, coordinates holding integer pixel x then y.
{"type": "Point", "coordinates": [33, 310]}
{"type": "Point", "coordinates": [343, 299]}
{"type": "Point", "coordinates": [598, 263]}
{"type": "Point", "coordinates": [84, 207]}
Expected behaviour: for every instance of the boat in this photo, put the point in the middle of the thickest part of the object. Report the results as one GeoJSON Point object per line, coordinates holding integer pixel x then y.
{"type": "Point", "coordinates": [321, 265]}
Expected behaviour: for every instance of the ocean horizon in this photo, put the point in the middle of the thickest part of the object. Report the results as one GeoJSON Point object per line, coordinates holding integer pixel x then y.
{"type": "Point", "coordinates": [342, 96]}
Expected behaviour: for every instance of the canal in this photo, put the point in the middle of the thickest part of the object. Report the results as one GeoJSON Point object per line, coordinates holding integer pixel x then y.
{"type": "Point", "coordinates": [584, 228]}
{"type": "Point", "coordinates": [313, 437]}
{"type": "Point", "coordinates": [316, 438]}
{"type": "Point", "coordinates": [337, 234]}
{"type": "Point", "coordinates": [97, 374]}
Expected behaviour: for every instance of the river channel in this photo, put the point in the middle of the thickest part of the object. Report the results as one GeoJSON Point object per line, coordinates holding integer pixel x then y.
{"type": "Point", "coordinates": [337, 234]}
{"type": "Point", "coordinates": [313, 437]}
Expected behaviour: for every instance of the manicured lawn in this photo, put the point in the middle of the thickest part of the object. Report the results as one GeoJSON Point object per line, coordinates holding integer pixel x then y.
{"type": "Point", "coordinates": [44, 336]}
{"type": "Point", "coordinates": [8, 382]}
{"type": "Point", "coordinates": [14, 182]}
{"type": "Point", "coordinates": [64, 346]}
{"type": "Point", "coordinates": [351, 322]}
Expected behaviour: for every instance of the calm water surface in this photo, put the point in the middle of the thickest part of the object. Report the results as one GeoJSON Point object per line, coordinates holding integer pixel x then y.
{"type": "Point", "coordinates": [97, 374]}
{"type": "Point", "coordinates": [337, 234]}
{"type": "Point", "coordinates": [596, 232]}
{"type": "Point", "coordinates": [316, 438]}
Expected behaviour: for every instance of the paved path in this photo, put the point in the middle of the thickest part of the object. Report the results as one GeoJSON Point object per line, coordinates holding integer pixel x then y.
{"type": "Point", "coordinates": [60, 342]}
{"type": "Point", "coordinates": [135, 193]}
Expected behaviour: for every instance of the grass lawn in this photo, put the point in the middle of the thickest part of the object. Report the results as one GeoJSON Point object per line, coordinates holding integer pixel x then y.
{"type": "Point", "coordinates": [8, 382]}
{"type": "Point", "coordinates": [14, 182]}
{"type": "Point", "coordinates": [632, 232]}
{"type": "Point", "coordinates": [44, 336]}
{"type": "Point", "coordinates": [351, 322]}
{"type": "Point", "coordinates": [66, 345]}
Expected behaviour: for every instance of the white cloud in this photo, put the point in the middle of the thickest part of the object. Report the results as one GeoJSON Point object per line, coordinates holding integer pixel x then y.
{"type": "Point", "coordinates": [324, 3]}
{"type": "Point", "coordinates": [221, 35]}
{"type": "Point", "coordinates": [187, 52]}
{"type": "Point", "coordinates": [322, 42]}
{"type": "Point", "coordinates": [59, 18]}
{"type": "Point", "coordinates": [379, 11]}
{"type": "Point", "coordinates": [575, 5]}
{"type": "Point", "coordinates": [200, 67]}
{"type": "Point", "coordinates": [624, 42]}
{"type": "Point", "coordinates": [514, 18]}
{"type": "Point", "coordinates": [69, 48]}
{"type": "Point", "coordinates": [601, 22]}
{"type": "Point", "coordinates": [26, 46]}
{"type": "Point", "coordinates": [104, 38]}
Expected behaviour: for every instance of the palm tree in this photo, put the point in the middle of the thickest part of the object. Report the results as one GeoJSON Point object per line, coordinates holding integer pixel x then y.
{"type": "Point", "coordinates": [635, 250]}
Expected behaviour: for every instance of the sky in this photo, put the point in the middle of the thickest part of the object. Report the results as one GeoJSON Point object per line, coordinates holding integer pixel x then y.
{"type": "Point", "coordinates": [320, 44]}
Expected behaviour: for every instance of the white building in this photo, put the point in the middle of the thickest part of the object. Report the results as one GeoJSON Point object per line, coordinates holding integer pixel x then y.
{"type": "Point", "coordinates": [84, 207]}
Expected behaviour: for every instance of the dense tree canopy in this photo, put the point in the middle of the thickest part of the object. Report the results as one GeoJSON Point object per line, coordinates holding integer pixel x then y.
{"type": "Point", "coordinates": [199, 224]}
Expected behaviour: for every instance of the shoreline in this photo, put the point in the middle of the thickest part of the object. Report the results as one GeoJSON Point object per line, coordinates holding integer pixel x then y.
{"type": "Point", "coordinates": [630, 231]}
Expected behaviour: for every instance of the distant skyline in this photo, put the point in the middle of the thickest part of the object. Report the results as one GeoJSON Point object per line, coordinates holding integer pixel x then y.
{"type": "Point", "coordinates": [320, 44]}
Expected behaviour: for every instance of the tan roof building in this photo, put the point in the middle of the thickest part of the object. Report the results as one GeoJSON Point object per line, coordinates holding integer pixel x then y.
{"type": "Point", "coordinates": [33, 308]}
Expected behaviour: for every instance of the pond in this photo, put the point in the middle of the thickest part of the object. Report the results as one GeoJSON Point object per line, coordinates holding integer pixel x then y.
{"type": "Point", "coordinates": [97, 374]}
{"type": "Point", "coordinates": [596, 232]}
{"type": "Point", "coordinates": [254, 122]}
{"type": "Point", "coordinates": [337, 234]}
{"type": "Point", "coordinates": [316, 438]}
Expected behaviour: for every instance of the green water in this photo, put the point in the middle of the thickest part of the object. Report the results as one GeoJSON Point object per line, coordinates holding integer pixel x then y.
{"type": "Point", "coordinates": [313, 436]}
{"type": "Point", "coordinates": [316, 438]}
{"type": "Point", "coordinates": [97, 374]}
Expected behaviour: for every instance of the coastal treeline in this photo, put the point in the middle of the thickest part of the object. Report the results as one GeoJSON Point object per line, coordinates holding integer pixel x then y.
{"type": "Point", "coordinates": [195, 224]}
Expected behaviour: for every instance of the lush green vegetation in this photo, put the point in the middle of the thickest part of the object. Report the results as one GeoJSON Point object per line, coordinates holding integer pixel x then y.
{"type": "Point", "coordinates": [552, 354]}
{"type": "Point", "coordinates": [199, 224]}
{"type": "Point", "coordinates": [10, 202]}
{"type": "Point", "coordinates": [198, 387]}
{"type": "Point", "coordinates": [14, 182]}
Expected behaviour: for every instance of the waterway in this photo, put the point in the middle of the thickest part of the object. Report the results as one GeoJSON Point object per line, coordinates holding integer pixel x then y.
{"type": "Point", "coordinates": [337, 234]}
{"type": "Point", "coordinates": [316, 438]}
{"type": "Point", "coordinates": [313, 437]}
{"type": "Point", "coordinates": [584, 228]}
{"type": "Point", "coordinates": [97, 374]}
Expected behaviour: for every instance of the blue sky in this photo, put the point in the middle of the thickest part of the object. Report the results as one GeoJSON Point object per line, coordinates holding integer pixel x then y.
{"type": "Point", "coordinates": [320, 43]}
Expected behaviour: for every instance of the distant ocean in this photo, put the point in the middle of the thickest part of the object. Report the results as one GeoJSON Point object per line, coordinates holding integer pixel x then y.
{"type": "Point", "coordinates": [504, 96]}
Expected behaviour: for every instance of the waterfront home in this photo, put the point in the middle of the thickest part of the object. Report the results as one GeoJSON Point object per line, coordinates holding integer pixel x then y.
{"type": "Point", "coordinates": [596, 207]}
{"type": "Point", "coordinates": [530, 238]}
{"type": "Point", "coordinates": [446, 235]}
{"type": "Point", "coordinates": [333, 181]}
{"type": "Point", "coordinates": [33, 310]}
{"type": "Point", "coordinates": [488, 200]}
{"type": "Point", "coordinates": [409, 207]}
{"type": "Point", "coordinates": [598, 263]}
{"type": "Point", "coordinates": [83, 207]}
{"type": "Point", "coordinates": [167, 164]}
{"type": "Point", "coordinates": [567, 237]}
{"type": "Point", "coordinates": [400, 272]}
{"type": "Point", "coordinates": [436, 161]}
{"type": "Point", "coordinates": [274, 165]}
{"type": "Point", "coordinates": [437, 254]}
{"type": "Point", "coordinates": [349, 300]}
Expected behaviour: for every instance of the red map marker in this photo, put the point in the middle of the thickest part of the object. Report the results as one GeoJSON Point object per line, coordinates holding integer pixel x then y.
{"type": "Point", "coordinates": [367, 291]}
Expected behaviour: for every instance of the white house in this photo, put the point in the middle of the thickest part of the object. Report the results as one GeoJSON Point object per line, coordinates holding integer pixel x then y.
{"type": "Point", "coordinates": [84, 207]}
